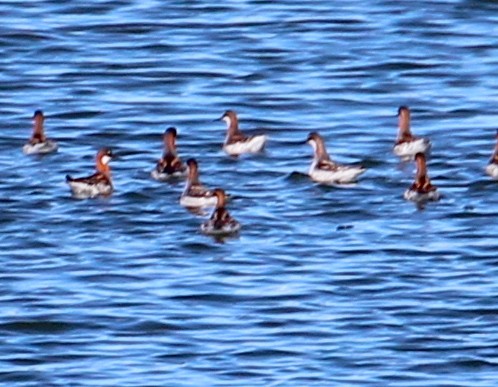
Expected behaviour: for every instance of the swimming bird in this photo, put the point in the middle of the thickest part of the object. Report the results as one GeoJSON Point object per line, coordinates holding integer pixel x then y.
{"type": "Point", "coordinates": [422, 189]}
{"type": "Point", "coordinates": [221, 222]}
{"type": "Point", "coordinates": [195, 194]}
{"type": "Point", "coordinates": [324, 170]}
{"type": "Point", "coordinates": [407, 145]}
{"type": "Point", "coordinates": [492, 167]}
{"type": "Point", "coordinates": [38, 142]}
{"type": "Point", "coordinates": [99, 183]}
{"type": "Point", "coordinates": [170, 164]}
{"type": "Point", "coordinates": [236, 143]}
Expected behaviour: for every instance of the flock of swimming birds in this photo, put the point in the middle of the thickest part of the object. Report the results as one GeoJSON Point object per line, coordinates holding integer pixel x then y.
{"type": "Point", "coordinates": [195, 195]}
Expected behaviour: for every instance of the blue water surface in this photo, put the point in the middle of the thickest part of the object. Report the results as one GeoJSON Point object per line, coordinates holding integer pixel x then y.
{"type": "Point", "coordinates": [324, 286]}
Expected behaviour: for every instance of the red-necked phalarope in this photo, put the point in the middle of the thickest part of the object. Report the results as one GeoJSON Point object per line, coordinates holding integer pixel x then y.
{"type": "Point", "coordinates": [407, 145]}
{"type": "Point", "coordinates": [236, 143]}
{"type": "Point", "coordinates": [324, 170]}
{"type": "Point", "coordinates": [195, 194]}
{"type": "Point", "coordinates": [38, 142]}
{"type": "Point", "coordinates": [220, 223]}
{"type": "Point", "coordinates": [170, 165]}
{"type": "Point", "coordinates": [422, 189]}
{"type": "Point", "coordinates": [99, 183]}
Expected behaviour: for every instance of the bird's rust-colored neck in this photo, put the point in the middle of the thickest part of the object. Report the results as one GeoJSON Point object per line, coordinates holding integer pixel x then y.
{"type": "Point", "coordinates": [230, 117]}
{"type": "Point", "coordinates": [318, 145]}
{"type": "Point", "coordinates": [193, 174]}
{"type": "Point", "coordinates": [38, 133]}
{"type": "Point", "coordinates": [105, 169]}
{"type": "Point", "coordinates": [220, 195]}
{"type": "Point", "coordinates": [321, 151]}
{"type": "Point", "coordinates": [169, 143]}
{"type": "Point", "coordinates": [404, 131]}
{"type": "Point", "coordinates": [421, 168]}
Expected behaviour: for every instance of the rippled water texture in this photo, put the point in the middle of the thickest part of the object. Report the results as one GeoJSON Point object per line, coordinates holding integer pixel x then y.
{"type": "Point", "coordinates": [324, 286]}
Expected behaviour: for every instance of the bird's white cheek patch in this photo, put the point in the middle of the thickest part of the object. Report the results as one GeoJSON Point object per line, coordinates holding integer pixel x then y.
{"type": "Point", "coordinates": [105, 159]}
{"type": "Point", "coordinates": [313, 144]}
{"type": "Point", "coordinates": [227, 120]}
